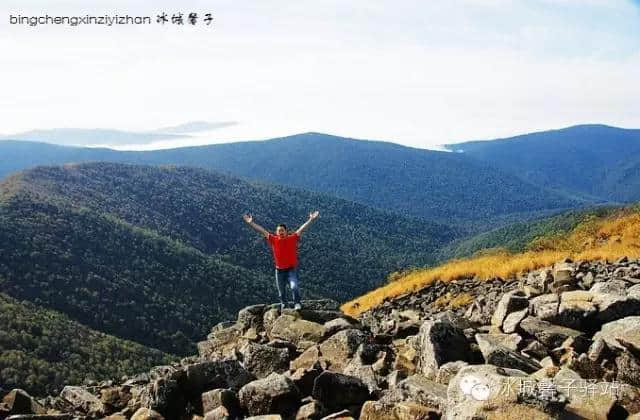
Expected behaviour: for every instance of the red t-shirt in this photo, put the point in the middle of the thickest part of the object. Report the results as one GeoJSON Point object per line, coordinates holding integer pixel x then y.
{"type": "Point", "coordinates": [285, 250]}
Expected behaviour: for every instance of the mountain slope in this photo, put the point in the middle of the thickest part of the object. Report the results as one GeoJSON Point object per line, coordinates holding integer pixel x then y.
{"type": "Point", "coordinates": [158, 254]}
{"type": "Point", "coordinates": [42, 350]}
{"type": "Point", "coordinates": [432, 185]}
{"type": "Point", "coordinates": [515, 237]}
{"type": "Point", "coordinates": [590, 160]}
{"type": "Point", "coordinates": [605, 234]}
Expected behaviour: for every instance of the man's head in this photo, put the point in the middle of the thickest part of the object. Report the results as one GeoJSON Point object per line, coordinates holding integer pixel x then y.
{"type": "Point", "coordinates": [281, 230]}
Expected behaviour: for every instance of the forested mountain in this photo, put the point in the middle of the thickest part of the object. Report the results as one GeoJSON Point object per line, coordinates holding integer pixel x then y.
{"type": "Point", "coordinates": [158, 255]}
{"type": "Point", "coordinates": [439, 186]}
{"type": "Point", "coordinates": [42, 350]}
{"type": "Point", "coordinates": [594, 161]}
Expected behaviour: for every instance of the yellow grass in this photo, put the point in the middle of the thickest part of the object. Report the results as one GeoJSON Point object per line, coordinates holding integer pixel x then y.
{"type": "Point", "coordinates": [595, 239]}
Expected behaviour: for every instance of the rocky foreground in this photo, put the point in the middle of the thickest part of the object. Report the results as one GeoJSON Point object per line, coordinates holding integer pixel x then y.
{"type": "Point", "coordinates": [562, 342]}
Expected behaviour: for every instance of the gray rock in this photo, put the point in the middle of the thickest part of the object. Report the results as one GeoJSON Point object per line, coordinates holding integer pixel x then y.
{"type": "Point", "coordinates": [336, 325]}
{"type": "Point", "coordinates": [313, 410]}
{"type": "Point", "coordinates": [485, 391]}
{"type": "Point", "coordinates": [221, 398]}
{"type": "Point", "coordinates": [295, 330]}
{"type": "Point", "coordinates": [448, 371]}
{"type": "Point", "coordinates": [510, 302]}
{"type": "Point", "coordinates": [261, 360]}
{"type": "Point", "coordinates": [146, 414]}
{"type": "Point", "coordinates": [545, 307]}
{"type": "Point", "coordinates": [628, 368]}
{"type": "Point", "coordinates": [339, 348]}
{"type": "Point", "coordinates": [83, 400]}
{"type": "Point", "coordinates": [499, 355]}
{"type": "Point", "coordinates": [576, 309]}
{"type": "Point", "coordinates": [335, 390]}
{"type": "Point", "coordinates": [511, 321]}
{"type": "Point", "coordinates": [252, 317]}
{"type": "Point", "coordinates": [548, 334]}
{"type": "Point", "coordinates": [18, 401]}
{"type": "Point", "coordinates": [621, 333]}
{"type": "Point", "coordinates": [274, 394]}
{"type": "Point", "coordinates": [612, 307]}
{"type": "Point", "coordinates": [440, 342]}
{"type": "Point", "coordinates": [215, 374]}
{"type": "Point", "coordinates": [614, 287]}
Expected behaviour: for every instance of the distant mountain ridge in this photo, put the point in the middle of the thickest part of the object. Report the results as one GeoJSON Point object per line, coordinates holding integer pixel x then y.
{"type": "Point", "coordinates": [593, 161]}
{"type": "Point", "coordinates": [439, 186]}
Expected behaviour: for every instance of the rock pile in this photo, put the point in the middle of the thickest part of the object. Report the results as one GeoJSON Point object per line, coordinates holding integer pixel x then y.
{"type": "Point", "coordinates": [560, 342]}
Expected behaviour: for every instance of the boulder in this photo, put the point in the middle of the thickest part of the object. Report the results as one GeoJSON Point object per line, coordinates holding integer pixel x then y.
{"type": "Point", "coordinates": [374, 410]}
{"type": "Point", "coordinates": [274, 394]}
{"type": "Point", "coordinates": [420, 390]}
{"type": "Point", "coordinates": [312, 410]}
{"type": "Point", "coordinates": [219, 413]}
{"type": "Point", "coordinates": [252, 317]}
{"type": "Point", "coordinates": [545, 307]}
{"type": "Point", "coordinates": [261, 360]}
{"type": "Point", "coordinates": [613, 286]}
{"type": "Point", "coordinates": [207, 375]}
{"type": "Point", "coordinates": [510, 341]}
{"type": "Point", "coordinates": [548, 334]}
{"type": "Point", "coordinates": [511, 321]}
{"type": "Point", "coordinates": [612, 307]}
{"type": "Point", "coordinates": [220, 342]}
{"type": "Point", "coordinates": [588, 399]}
{"type": "Point", "coordinates": [221, 398]}
{"type": "Point", "coordinates": [366, 375]}
{"type": "Point", "coordinates": [309, 359]}
{"type": "Point", "coordinates": [490, 392]}
{"type": "Point", "coordinates": [628, 368]}
{"type": "Point", "coordinates": [296, 330]}
{"type": "Point", "coordinates": [83, 400]}
{"type": "Point", "coordinates": [440, 342]}
{"type": "Point", "coordinates": [563, 277]}
{"type": "Point", "coordinates": [146, 414]}
{"type": "Point", "coordinates": [339, 348]}
{"type": "Point", "coordinates": [576, 309]}
{"type": "Point", "coordinates": [448, 371]}
{"type": "Point", "coordinates": [335, 390]}
{"type": "Point", "coordinates": [495, 353]}
{"type": "Point", "coordinates": [336, 325]}
{"type": "Point", "coordinates": [510, 302]}
{"type": "Point", "coordinates": [304, 379]}
{"type": "Point", "coordinates": [621, 333]}
{"type": "Point", "coordinates": [18, 401]}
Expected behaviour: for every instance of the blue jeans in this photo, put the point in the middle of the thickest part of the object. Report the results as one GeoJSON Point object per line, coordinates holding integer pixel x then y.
{"type": "Point", "coordinates": [284, 275]}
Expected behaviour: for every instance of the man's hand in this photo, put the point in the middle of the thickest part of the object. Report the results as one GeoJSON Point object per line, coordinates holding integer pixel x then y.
{"type": "Point", "coordinates": [312, 216]}
{"type": "Point", "coordinates": [248, 218]}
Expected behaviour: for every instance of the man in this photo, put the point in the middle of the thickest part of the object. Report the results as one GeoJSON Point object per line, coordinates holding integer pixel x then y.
{"type": "Point", "coordinates": [285, 256]}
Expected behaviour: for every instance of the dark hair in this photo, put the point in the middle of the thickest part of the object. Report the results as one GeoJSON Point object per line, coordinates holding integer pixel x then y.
{"type": "Point", "coordinates": [283, 225]}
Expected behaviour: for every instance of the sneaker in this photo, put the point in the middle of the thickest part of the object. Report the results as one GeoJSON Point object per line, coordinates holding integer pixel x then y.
{"type": "Point", "coordinates": [297, 307]}
{"type": "Point", "coordinates": [282, 306]}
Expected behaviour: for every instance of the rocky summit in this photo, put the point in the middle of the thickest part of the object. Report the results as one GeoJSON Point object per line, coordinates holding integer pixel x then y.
{"type": "Point", "coordinates": [562, 342]}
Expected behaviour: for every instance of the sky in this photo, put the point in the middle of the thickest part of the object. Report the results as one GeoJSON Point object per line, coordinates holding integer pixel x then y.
{"type": "Point", "coordinates": [419, 73]}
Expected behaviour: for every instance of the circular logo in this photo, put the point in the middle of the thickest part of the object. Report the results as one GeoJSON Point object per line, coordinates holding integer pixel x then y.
{"type": "Point", "coordinates": [475, 387]}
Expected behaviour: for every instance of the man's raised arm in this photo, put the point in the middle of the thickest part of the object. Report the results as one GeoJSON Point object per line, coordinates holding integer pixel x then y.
{"type": "Point", "coordinates": [312, 216]}
{"type": "Point", "coordinates": [249, 220]}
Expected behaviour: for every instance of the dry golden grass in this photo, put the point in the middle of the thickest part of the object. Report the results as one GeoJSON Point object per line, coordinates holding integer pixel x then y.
{"type": "Point", "coordinates": [595, 239]}
{"type": "Point", "coordinates": [450, 301]}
